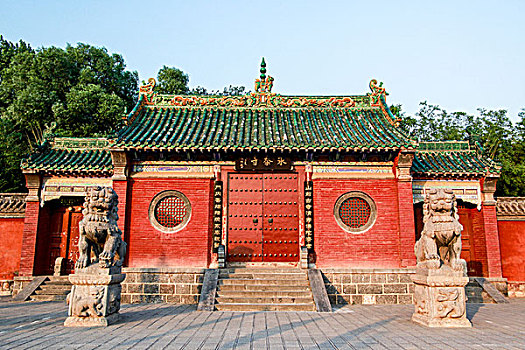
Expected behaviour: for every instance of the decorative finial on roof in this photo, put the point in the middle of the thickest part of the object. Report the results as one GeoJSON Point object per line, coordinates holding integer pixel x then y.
{"type": "Point", "coordinates": [263, 69]}
{"type": "Point", "coordinates": [264, 84]}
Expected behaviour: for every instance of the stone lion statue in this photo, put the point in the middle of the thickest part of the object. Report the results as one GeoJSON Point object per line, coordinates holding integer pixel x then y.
{"type": "Point", "coordinates": [98, 230]}
{"type": "Point", "coordinates": [440, 241]}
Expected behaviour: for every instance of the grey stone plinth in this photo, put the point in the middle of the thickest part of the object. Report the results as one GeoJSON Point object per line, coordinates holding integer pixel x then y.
{"type": "Point", "coordinates": [95, 296]}
{"type": "Point", "coordinates": [439, 297]}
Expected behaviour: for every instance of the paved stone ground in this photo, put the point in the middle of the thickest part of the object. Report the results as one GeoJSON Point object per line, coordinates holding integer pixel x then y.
{"type": "Point", "coordinates": [157, 326]}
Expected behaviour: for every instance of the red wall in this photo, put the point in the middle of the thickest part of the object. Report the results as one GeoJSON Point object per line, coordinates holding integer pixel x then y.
{"type": "Point", "coordinates": [379, 247]}
{"type": "Point", "coordinates": [512, 244]}
{"type": "Point", "coordinates": [11, 230]}
{"type": "Point", "coordinates": [190, 247]}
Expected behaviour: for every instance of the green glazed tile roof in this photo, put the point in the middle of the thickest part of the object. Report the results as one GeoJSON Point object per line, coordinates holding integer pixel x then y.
{"type": "Point", "coordinates": [453, 158]}
{"type": "Point", "coordinates": [261, 121]}
{"type": "Point", "coordinates": [71, 155]}
{"type": "Point", "coordinates": [236, 128]}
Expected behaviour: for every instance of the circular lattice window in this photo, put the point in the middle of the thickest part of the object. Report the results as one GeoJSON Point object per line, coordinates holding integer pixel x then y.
{"type": "Point", "coordinates": [355, 212]}
{"type": "Point", "coordinates": [169, 211]}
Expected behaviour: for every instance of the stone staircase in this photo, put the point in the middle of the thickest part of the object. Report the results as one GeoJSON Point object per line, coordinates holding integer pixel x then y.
{"type": "Point", "coordinates": [54, 288]}
{"type": "Point", "coordinates": [264, 289]}
{"type": "Point", "coordinates": [487, 294]}
{"type": "Point", "coordinates": [475, 294]}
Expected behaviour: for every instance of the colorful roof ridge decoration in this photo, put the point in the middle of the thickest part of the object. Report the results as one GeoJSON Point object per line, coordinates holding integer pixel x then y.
{"type": "Point", "coordinates": [71, 143]}
{"type": "Point", "coordinates": [71, 155]}
{"type": "Point", "coordinates": [451, 158]}
{"type": "Point", "coordinates": [262, 120]}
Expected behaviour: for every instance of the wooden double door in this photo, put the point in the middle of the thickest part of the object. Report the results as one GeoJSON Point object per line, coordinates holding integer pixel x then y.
{"type": "Point", "coordinates": [63, 238]}
{"type": "Point", "coordinates": [263, 217]}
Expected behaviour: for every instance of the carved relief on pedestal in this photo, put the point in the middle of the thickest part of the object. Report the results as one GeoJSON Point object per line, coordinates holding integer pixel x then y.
{"type": "Point", "coordinates": [420, 299]}
{"type": "Point", "coordinates": [449, 303]}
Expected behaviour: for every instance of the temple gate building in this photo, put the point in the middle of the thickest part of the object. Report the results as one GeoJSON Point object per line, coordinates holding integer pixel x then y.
{"type": "Point", "coordinates": [329, 182]}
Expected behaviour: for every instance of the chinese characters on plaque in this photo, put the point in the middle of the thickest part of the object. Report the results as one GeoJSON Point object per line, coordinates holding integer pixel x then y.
{"type": "Point", "coordinates": [263, 163]}
{"type": "Point", "coordinates": [309, 214]}
{"type": "Point", "coordinates": [217, 215]}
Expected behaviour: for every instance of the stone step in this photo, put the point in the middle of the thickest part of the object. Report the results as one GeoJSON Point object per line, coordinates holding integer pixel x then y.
{"type": "Point", "coordinates": [293, 282]}
{"type": "Point", "coordinates": [46, 297]}
{"type": "Point", "coordinates": [264, 300]}
{"type": "Point", "coordinates": [263, 287]}
{"type": "Point", "coordinates": [58, 283]}
{"type": "Point", "coordinates": [260, 270]}
{"type": "Point", "coordinates": [264, 276]}
{"type": "Point", "coordinates": [49, 291]}
{"type": "Point", "coordinates": [475, 300]}
{"type": "Point", "coordinates": [264, 293]}
{"type": "Point", "coordinates": [58, 279]}
{"type": "Point", "coordinates": [265, 307]}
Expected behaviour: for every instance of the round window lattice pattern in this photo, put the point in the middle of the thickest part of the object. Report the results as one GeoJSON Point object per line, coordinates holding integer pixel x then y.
{"type": "Point", "coordinates": [355, 212]}
{"type": "Point", "coordinates": [169, 211]}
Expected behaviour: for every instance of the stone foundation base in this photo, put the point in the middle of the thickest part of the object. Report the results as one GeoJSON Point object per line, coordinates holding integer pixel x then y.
{"type": "Point", "coordinates": [368, 286]}
{"type": "Point", "coordinates": [516, 289]}
{"type": "Point", "coordinates": [103, 321]}
{"type": "Point", "coordinates": [439, 298]}
{"type": "Point", "coordinates": [157, 285]}
{"type": "Point", "coordinates": [6, 287]}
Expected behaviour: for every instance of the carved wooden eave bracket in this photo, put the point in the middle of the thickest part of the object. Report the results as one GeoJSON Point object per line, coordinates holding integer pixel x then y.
{"type": "Point", "coordinates": [488, 187]}
{"type": "Point", "coordinates": [120, 164]}
{"type": "Point", "coordinates": [404, 164]}
{"type": "Point", "coordinates": [33, 182]}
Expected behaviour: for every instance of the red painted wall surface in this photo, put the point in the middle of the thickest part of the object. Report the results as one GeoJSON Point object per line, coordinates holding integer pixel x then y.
{"type": "Point", "coordinates": [379, 247]}
{"type": "Point", "coordinates": [11, 230]}
{"type": "Point", "coordinates": [189, 247]}
{"type": "Point", "coordinates": [512, 243]}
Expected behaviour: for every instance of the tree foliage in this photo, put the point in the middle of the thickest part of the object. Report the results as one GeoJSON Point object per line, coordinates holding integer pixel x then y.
{"type": "Point", "coordinates": [172, 80]}
{"type": "Point", "coordinates": [77, 91]}
{"type": "Point", "coordinates": [498, 138]}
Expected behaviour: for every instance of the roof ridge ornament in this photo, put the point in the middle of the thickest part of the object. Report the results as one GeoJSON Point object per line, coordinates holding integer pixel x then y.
{"type": "Point", "coordinates": [264, 84]}
{"type": "Point", "coordinates": [378, 92]}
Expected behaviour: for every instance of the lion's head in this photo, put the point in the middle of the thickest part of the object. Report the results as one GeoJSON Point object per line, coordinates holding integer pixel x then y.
{"type": "Point", "coordinates": [440, 202]}
{"type": "Point", "coordinates": [101, 202]}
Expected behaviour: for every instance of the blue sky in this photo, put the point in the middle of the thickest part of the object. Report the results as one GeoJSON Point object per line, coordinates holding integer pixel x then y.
{"type": "Point", "coordinates": [459, 54]}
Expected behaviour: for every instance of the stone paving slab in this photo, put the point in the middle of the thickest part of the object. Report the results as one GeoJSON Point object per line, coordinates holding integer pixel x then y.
{"type": "Point", "coordinates": [156, 326]}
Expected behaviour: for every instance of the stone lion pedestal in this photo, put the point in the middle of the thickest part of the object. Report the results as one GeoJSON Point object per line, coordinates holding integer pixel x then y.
{"type": "Point", "coordinates": [439, 298]}
{"type": "Point", "coordinates": [441, 275]}
{"type": "Point", "coordinates": [95, 296]}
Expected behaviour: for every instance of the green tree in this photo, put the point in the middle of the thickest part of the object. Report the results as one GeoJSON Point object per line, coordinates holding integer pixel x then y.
{"type": "Point", "coordinates": [492, 130]}
{"type": "Point", "coordinates": [171, 80]}
{"type": "Point", "coordinates": [80, 90]}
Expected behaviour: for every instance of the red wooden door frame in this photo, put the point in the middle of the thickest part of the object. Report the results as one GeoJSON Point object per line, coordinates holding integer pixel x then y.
{"type": "Point", "coordinates": [263, 217]}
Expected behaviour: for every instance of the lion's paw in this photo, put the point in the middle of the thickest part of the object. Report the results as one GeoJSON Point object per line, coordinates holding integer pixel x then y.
{"type": "Point", "coordinates": [81, 263]}
{"type": "Point", "coordinates": [105, 255]}
{"type": "Point", "coordinates": [433, 264]}
{"type": "Point", "coordinates": [458, 265]}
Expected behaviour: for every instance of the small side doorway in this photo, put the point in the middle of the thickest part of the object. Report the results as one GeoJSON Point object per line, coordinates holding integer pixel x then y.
{"type": "Point", "coordinates": [62, 239]}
